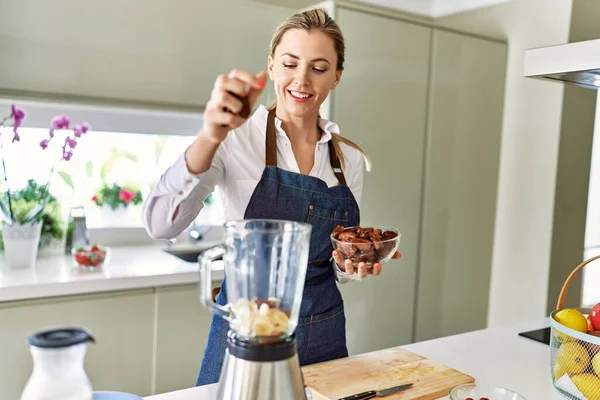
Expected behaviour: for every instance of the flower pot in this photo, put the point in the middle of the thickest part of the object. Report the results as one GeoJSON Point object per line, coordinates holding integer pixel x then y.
{"type": "Point", "coordinates": [21, 244]}
{"type": "Point", "coordinates": [116, 217]}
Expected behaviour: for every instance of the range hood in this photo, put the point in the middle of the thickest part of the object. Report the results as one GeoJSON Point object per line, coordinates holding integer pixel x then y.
{"type": "Point", "coordinates": [573, 63]}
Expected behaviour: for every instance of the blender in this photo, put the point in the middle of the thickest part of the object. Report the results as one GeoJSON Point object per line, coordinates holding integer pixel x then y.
{"type": "Point", "coordinates": [265, 267]}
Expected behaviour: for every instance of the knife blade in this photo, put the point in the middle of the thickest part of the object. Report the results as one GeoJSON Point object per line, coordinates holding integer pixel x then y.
{"type": "Point", "coordinates": [378, 393]}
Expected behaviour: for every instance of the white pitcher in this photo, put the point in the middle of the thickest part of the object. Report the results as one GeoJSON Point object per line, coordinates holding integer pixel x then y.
{"type": "Point", "coordinates": [58, 372]}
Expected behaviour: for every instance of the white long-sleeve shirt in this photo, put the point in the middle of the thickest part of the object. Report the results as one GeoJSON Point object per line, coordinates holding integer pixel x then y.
{"type": "Point", "coordinates": [236, 169]}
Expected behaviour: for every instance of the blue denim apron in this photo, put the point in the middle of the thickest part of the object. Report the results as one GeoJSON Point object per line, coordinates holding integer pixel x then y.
{"type": "Point", "coordinates": [280, 194]}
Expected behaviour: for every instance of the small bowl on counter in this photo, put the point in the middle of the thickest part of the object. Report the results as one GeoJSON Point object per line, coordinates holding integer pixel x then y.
{"type": "Point", "coordinates": [107, 395]}
{"type": "Point", "coordinates": [371, 245]}
{"type": "Point", "coordinates": [475, 391]}
{"type": "Point", "coordinates": [90, 257]}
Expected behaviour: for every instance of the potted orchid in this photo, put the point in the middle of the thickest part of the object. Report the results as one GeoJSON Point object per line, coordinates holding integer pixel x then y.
{"type": "Point", "coordinates": [22, 222]}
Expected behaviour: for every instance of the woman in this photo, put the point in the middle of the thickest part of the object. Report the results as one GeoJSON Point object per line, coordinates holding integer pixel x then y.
{"type": "Point", "coordinates": [293, 164]}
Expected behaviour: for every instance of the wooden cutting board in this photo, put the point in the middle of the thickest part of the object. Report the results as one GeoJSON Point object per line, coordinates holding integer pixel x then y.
{"type": "Point", "coordinates": [316, 395]}
{"type": "Point", "coordinates": [381, 370]}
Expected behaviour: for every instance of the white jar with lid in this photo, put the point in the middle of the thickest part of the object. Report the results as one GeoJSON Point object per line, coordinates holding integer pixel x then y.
{"type": "Point", "coordinates": [58, 372]}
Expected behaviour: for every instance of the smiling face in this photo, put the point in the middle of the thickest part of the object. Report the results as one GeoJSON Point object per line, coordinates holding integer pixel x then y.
{"type": "Point", "coordinates": [303, 68]}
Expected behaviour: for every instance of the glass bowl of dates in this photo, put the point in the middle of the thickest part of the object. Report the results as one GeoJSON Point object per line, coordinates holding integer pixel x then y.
{"type": "Point", "coordinates": [371, 245]}
{"type": "Point", "coordinates": [90, 257]}
{"type": "Point", "coordinates": [474, 391]}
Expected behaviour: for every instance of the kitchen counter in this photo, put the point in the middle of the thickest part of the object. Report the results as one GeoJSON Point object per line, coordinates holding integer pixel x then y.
{"type": "Point", "coordinates": [129, 268]}
{"type": "Point", "coordinates": [497, 356]}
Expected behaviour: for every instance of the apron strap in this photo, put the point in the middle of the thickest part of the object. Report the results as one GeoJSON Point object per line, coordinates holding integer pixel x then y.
{"type": "Point", "coordinates": [271, 150]}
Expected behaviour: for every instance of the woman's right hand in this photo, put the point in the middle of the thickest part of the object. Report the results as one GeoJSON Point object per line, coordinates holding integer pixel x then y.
{"type": "Point", "coordinates": [221, 113]}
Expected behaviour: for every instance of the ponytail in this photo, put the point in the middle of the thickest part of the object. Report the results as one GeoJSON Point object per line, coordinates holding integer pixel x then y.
{"type": "Point", "coordinates": [336, 139]}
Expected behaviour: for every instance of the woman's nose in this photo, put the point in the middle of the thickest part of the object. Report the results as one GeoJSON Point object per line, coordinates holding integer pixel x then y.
{"type": "Point", "coordinates": [302, 76]}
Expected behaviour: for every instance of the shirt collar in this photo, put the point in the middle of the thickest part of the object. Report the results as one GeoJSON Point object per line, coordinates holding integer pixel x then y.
{"type": "Point", "coordinates": [260, 119]}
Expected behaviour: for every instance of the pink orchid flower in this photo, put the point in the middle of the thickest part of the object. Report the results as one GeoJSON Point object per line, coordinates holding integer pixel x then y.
{"type": "Point", "coordinates": [63, 122]}
{"type": "Point", "coordinates": [17, 116]}
{"type": "Point", "coordinates": [60, 122]}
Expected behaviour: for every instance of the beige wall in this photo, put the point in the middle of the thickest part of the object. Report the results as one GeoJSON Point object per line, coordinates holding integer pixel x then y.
{"type": "Point", "coordinates": [536, 192]}
{"type": "Point", "coordinates": [572, 182]}
{"type": "Point", "coordinates": [529, 156]}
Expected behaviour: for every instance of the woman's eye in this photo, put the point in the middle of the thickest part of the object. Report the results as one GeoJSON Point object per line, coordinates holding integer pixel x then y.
{"type": "Point", "coordinates": [289, 65]}
{"type": "Point", "coordinates": [319, 70]}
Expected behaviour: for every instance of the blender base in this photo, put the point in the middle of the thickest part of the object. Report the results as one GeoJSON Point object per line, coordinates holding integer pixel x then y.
{"type": "Point", "coordinates": [261, 371]}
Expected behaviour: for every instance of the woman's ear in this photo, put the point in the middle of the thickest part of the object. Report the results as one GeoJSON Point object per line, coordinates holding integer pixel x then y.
{"type": "Point", "coordinates": [270, 63]}
{"type": "Point", "coordinates": [338, 78]}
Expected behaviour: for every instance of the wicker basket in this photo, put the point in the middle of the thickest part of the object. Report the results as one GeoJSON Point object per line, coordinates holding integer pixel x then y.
{"type": "Point", "coordinates": [574, 356]}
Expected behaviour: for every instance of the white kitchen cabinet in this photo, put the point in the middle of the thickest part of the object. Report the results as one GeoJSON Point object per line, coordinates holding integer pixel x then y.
{"type": "Point", "coordinates": [427, 106]}
{"type": "Point", "coordinates": [461, 177]}
{"type": "Point", "coordinates": [122, 324]}
{"type": "Point", "coordinates": [181, 334]}
{"type": "Point", "coordinates": [145, 51]}
{"type": "Point", "coordinates": [381, 104]}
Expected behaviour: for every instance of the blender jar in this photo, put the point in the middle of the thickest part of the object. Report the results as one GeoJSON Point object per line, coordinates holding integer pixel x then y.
{"type": "Point", "coordinates": [265, 267]}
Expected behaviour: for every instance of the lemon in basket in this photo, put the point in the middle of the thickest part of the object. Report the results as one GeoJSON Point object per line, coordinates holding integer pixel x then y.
{"type": "Point", "coordinates": [588, 385]}
{"type": "Point", "coordinates": [596, 364]}
{"type": "Point", "coordinates": [571, 318]}
{"type": "Point", "coordinates": [571, 359]}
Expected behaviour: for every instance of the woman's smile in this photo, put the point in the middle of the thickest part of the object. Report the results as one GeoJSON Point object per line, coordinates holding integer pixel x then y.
{"type": "Point", "coordinates": [299, 97]}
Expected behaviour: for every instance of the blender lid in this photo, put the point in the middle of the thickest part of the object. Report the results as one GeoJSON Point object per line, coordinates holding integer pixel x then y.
{"type": "Point", "coordinates": [59, 337]}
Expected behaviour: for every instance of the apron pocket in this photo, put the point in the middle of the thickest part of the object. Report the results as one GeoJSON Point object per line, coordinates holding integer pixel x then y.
{"type": "Point", "coordinates": [322, 337]}
{"type": "Point", "coordinates": [322, 214]}
{"type": "Point", "coordinates": [323, 221]}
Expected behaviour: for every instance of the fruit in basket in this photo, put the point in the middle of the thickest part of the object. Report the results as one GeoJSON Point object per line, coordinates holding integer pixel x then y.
{"type": "Point", "coordinates": [557, 371]}
{"type": "Point", "coordinates": [590, 325]}
{"type": "Point", "coordinates": [571, 318]}
{"type": "Point", "coordinates": [594, 317]}
{"type": "Point", "coordinates": [588, 385]}
{"type": "Point", "coordinates": [571, 358]}
{"type": "Point", "coordinates": [596, 364]}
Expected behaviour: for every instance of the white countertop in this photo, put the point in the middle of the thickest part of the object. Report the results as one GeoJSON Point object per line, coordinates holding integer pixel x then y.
{"type": "Point", "coordinates": [497, 356]}
{"type": "Point", "coordinates": [131, 267]}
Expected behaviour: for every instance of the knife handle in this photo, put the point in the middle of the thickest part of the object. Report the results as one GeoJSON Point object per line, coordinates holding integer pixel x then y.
{"type": "Point", "coordinates": [361, 396]}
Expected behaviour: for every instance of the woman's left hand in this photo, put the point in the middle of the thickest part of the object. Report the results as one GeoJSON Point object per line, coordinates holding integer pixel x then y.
{"type": "Point", "coordinates": [362, 269]}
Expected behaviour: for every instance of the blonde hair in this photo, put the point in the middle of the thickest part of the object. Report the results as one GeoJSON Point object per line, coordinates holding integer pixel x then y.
{"type": "Point", "coordinates": [318, 20]}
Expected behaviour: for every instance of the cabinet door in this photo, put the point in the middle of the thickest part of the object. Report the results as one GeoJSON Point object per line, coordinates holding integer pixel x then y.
{"type": "Point", "coordinates": [465, 120]}
{"type": "Point", "coordinates": [181, 334]}
{"type": "Point", "coordinates": [122, 324]}
{"type": "Point", "coordinates": [381, 104]}
{"type": "Point", "coordinates": [140, 50]}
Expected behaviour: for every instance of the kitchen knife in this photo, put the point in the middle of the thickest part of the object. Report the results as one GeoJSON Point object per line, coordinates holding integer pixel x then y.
{"type": "Point", "coordinates": [378, 393]}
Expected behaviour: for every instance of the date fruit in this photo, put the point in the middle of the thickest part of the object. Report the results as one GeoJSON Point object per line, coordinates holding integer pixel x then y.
{"type": "Point", "coordinates": [364, 244]}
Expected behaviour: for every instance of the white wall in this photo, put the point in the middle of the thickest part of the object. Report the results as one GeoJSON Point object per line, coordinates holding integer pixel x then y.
{"type": "Point", "coordinates": [528, 161]}
{"type": "Point", "coordinates": [141, 53]}
{"type": "Point", "coordinates": [446, 7]}
{"type": "Point", "coordinates": [423, 7]}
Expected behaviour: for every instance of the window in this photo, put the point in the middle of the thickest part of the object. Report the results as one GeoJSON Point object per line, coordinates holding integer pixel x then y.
{"type": "Point", "coordinates": [137, 149]}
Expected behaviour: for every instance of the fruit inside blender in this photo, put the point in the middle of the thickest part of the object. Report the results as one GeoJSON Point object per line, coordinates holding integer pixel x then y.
{"type": "Point", "coordinates": [256, 318]}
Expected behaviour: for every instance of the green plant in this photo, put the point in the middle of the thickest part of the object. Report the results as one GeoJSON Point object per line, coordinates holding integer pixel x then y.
{"type": "Point", "coordinates": [116, 196]}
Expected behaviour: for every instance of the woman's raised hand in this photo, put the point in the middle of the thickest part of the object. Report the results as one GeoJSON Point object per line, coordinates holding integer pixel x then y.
{"type": "Point", "coordinates": [222, 110]}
